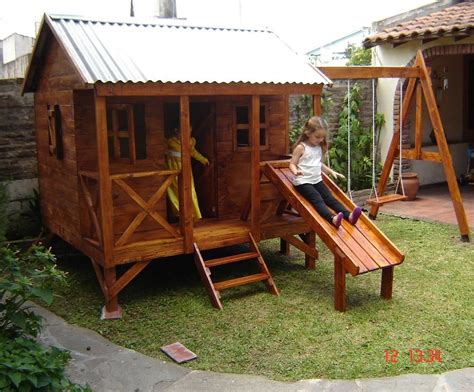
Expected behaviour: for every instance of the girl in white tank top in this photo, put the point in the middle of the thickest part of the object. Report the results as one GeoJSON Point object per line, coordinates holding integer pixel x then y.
{"type": "Point", "coordinates": [307, 164]}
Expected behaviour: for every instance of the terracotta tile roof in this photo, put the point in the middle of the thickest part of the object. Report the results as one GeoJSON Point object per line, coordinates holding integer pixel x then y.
{"type": "Point", "coordinates": [456, 21]}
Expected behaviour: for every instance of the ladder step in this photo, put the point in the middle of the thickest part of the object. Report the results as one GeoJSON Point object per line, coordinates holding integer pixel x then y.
{"type": "Point", "coordinates": [381, 200]}
{"type": "Point", "coordinates": [240, 281]}
{"type": "Point", "coordinates": [231, 259]}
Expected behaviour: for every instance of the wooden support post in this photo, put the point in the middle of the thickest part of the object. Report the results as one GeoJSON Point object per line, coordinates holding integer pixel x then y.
{"type": "Point", "coordinates": [287, 123]}
{"type": "Point", "coordinates": [284, 247]}
{"type": "Point", "coordinates": [394, 147]}
{"type": "Point", "coordinates": [112, 309]}
{"type": "Point", "coordinates": [387, 283]}
{"type": "Point", "coordinates": [443, 148]}
{"type": "Point", "coordinates": [184, 185]}
{"type": "Point", "coordinates": [255, 167]}
{"type": "Point", "coordinates": [339, 281]}
{"type": "Point", "coordinates": [104, 181]}
{"type": "Point", "coordinates": [317, 105]}
{"type": "Point", "coordinates": [418, 121]}
{"type": "Point", "coordinates": [310, 240]}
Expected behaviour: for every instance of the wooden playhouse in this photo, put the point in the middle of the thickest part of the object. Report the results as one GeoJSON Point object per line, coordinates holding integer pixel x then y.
{"type": "Point", "coordinates": [106, 95]}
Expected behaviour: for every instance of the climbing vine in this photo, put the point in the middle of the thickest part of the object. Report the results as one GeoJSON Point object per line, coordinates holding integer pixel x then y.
{"type": "Point", "coordinates": [361, 144]}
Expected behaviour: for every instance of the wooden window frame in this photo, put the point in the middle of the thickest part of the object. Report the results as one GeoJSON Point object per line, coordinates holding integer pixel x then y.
{"type": "Point", "coordinates": [55, 131]}
{"type": "Point", "coordinates": [236, 127]}
{"type": "Point", "coordinates": [116, 134]}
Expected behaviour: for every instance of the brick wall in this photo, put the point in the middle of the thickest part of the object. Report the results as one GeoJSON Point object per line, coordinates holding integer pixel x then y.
{"type": "Point", "coordinates": [18, 165]}
{"type": "Point", "coordinates": [337, 93]}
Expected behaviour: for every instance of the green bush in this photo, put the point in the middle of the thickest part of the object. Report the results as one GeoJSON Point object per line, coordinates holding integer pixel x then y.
{"type": "Point", "coordinates": [361, 144]}
{"type": "Point", "coordinates": [3, 212]}
{"type": "Point", "coordinates": [358, 55]}
{"type": "Point", "coordinates": [304, 110]}
{"type": "Point", "coordinates": [24, 364]}
{"type": "Point", "coordinates": [27, 366]}
{"type": "Point", "coordinates": [25, 277]}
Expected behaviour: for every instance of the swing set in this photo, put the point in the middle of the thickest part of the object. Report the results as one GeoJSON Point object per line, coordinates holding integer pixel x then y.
{"type": "Point", "coordinates": [419, 86]}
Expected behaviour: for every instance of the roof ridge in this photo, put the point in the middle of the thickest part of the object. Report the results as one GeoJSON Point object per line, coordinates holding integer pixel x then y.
{"type": "Point", "coordinates": [154, 21]}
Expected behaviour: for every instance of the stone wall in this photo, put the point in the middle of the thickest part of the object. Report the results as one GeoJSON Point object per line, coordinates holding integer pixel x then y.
{"type": "Point", "coordinates": [18, 164]}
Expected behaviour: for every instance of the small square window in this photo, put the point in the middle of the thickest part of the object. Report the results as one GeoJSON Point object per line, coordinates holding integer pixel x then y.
{"type": "Point", "coordinates": [242, 114]}
{"type": "Point", "coordinates": [242, 127]}
{"type": "Point", "coordinates": [243, 139]}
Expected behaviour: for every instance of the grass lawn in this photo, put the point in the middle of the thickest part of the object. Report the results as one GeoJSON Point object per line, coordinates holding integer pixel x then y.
{"type": "Point", "coordinates": [298, 335]}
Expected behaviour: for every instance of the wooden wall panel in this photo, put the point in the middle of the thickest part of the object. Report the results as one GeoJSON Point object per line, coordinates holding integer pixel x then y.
{"type": "Point", "coordinates": [58, 177]}
{"type": "Point", "coordinates": [234, 166]}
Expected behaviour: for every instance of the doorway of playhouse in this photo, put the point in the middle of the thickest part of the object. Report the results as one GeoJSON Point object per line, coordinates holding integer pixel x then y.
{"type": "Point", "coordinates": [203, 123]}
{"type": "Point", "coordinates": [202, 119]}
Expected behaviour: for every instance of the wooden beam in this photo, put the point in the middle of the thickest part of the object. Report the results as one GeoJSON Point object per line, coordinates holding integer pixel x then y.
{"type": "Point", "coordinates": [191, 89]}
{"type": "Point", "coordinates": [418, 121]}
{"type": "Point", "coordinates": [394, 146]}
{"type": "Point", "coordinates": [309, 260]}
{"type": "Point", "coordinates": [432, 156]}
{"type": "Point", "coordinates": [443, 148]}
{"type": "Point", "coordinates": [387, 283]}
{"type": "Point", "coordinates": [302, 246]}
{"type": "Point", "coordinates": [369, 72]}
{"type": "Point", "coordinates": [317, 105]}
{"type": "Point", "coordinates": [255, 167]}
{"type": "Point", "coordinates": [104, 182]}
{"type": "Point", "coordinates": [127, 277]}
{"type": "Point", "coordinates": [339, 281]}
{"type": "Point", "coordinates": [184, 186]}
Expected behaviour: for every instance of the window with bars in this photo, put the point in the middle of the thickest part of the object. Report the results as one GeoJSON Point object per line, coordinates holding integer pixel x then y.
{"type": "Point", "coordinates": [126, 133]}
{"type": "Point", "coordinates": [55, 132]}
{"type": "Point", "coordinates": [242, 135]}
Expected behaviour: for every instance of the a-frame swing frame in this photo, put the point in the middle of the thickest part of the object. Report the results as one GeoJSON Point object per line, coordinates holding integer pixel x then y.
{"type": "Point", "coordinates": [419, 85]}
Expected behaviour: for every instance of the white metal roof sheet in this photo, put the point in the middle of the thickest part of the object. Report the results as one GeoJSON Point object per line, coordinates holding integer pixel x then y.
{"type": "Point", "coordinates": [171, 51]}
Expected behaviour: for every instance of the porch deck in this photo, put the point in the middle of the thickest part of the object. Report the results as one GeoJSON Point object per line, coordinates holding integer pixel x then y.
{"type": "Point", "coordinates": [208, 234]}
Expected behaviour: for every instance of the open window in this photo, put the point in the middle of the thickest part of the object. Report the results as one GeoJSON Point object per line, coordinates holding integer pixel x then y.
{"type": "Point", "coordinates": [126, 133]}
{"type": "Point", "coordinates": [55, 132]}
{"type": "Point", "coordinates": [242, 134]}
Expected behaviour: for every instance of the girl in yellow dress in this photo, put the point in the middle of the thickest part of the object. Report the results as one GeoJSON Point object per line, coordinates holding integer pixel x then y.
{"type": "Point", "coordinates": [173, 161]}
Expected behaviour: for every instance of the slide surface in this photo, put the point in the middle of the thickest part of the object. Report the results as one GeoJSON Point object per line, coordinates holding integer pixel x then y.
{"type": "Point", "coordinates": [364, 247]}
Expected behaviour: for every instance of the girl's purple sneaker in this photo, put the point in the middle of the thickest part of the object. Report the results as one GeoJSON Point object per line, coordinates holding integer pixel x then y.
{"type": "Point", "coordinates": [337, 220]}
{"type": "Point", "coordinates": [355, 215]}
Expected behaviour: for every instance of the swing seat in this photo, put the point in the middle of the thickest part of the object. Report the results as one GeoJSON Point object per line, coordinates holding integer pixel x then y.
{"type": "Point", "coordinates": [381, 200]}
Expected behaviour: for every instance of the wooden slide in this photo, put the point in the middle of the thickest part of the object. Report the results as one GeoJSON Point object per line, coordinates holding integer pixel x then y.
{"type": "Point", "coordinates": [357, 249]}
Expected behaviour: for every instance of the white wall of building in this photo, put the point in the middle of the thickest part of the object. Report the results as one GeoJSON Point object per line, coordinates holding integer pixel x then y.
{"type": "Point", "coordinates": [15, 46]}
{"type": "Point", "coordinates": [450, 102]}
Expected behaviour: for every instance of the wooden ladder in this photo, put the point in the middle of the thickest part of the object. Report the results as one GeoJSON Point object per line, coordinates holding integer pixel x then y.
{"type": "Point", "coordinates": [213, 288]}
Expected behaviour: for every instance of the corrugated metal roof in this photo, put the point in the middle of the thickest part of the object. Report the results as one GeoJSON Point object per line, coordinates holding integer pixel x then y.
{"type": "Point", "coordinates": [171, 51]}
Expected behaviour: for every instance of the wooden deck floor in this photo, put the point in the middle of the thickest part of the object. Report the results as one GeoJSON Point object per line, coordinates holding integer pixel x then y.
{"type": "Point", "coordinates": [208, 234]}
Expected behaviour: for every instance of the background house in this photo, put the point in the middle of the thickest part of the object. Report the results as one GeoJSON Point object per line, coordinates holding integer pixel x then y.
{"type": "Point", "coordinates": [334, 53]}
{"type": "Point", "coordinates": [16, 50]}
{"type": "Point", "coordinates": [443, 31]}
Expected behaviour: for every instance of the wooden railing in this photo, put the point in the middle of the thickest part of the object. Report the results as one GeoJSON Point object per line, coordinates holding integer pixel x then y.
{"type": "Point", "coordinates": [147, 207]}
{"type": "Point", "coordinates": [91, 199]}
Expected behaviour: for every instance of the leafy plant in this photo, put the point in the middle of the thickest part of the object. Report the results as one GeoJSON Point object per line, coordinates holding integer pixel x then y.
{"type": "Point", "coordinates": [24, 364]}
{"type": "Point", "coordinates": [3, 211]}
{"type": "Point", "coordinates": [27, 366]}
{"type": "Point", "coordinates": [357, 55]}
{"type": "Point", "coordinates": [303, 110]}
{"type": "Point", "coordinates": [25, 277]}
{"type": "Point", "coordinates": [360, 144]}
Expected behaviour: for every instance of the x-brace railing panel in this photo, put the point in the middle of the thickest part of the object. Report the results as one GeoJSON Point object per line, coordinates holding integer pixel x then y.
{"type": "Point", "coordinates": [146, 206]}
